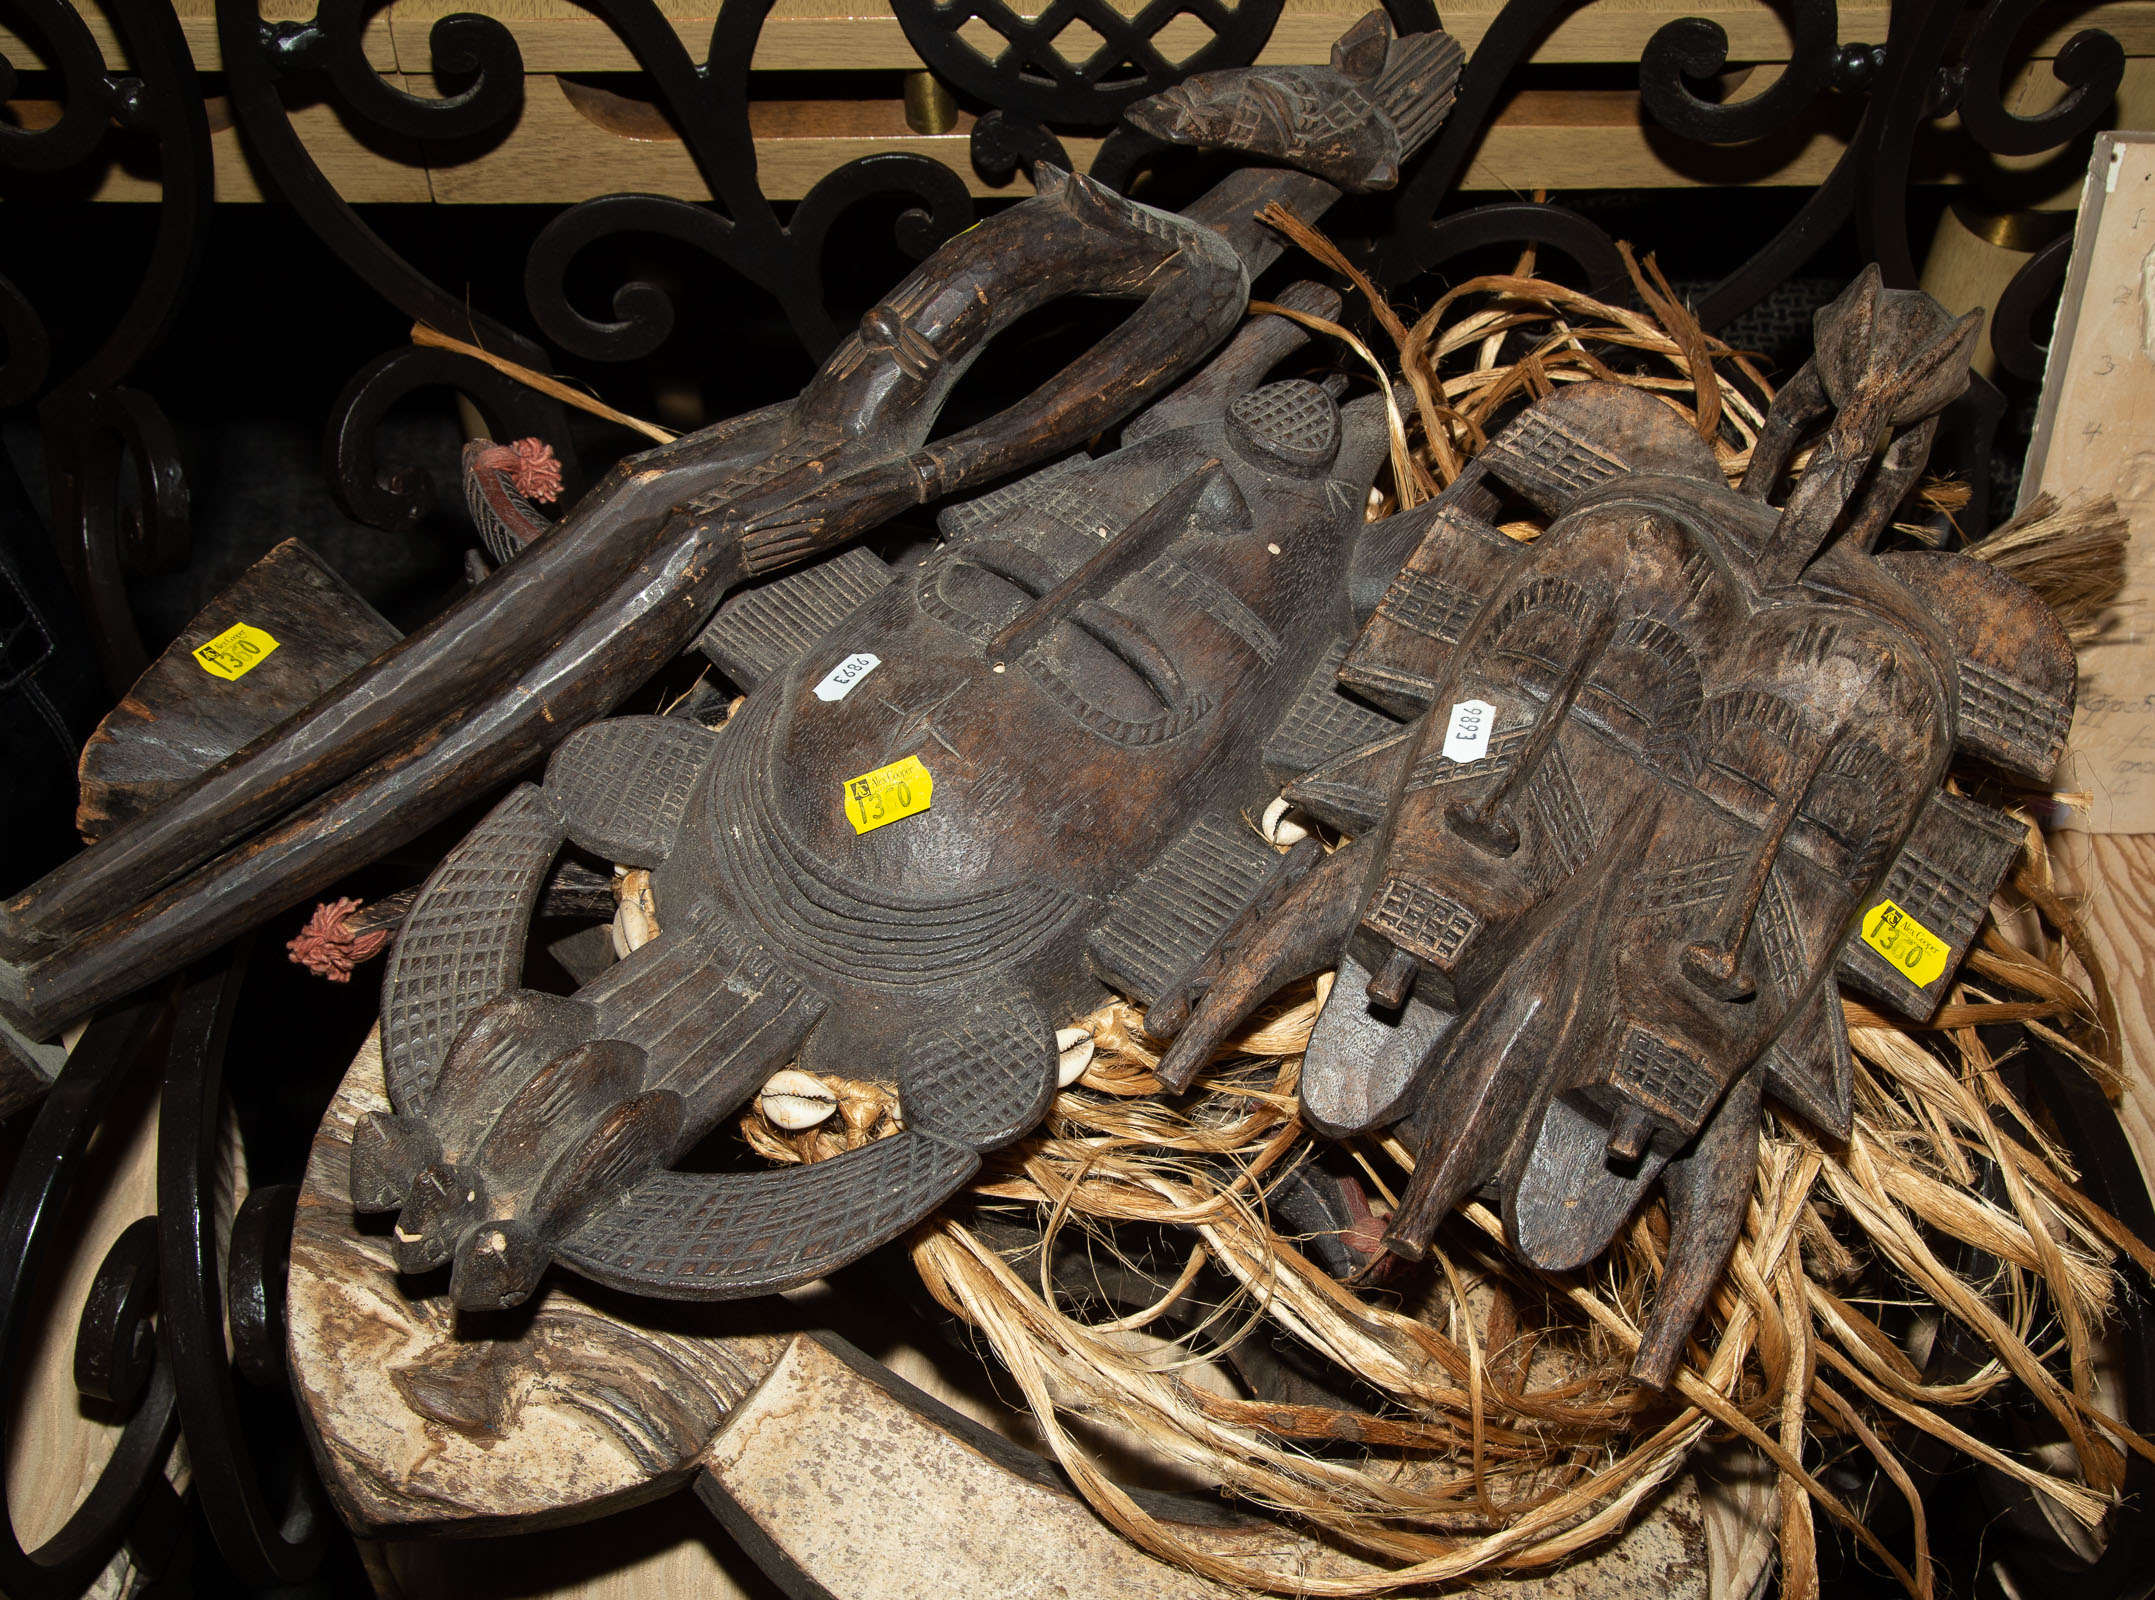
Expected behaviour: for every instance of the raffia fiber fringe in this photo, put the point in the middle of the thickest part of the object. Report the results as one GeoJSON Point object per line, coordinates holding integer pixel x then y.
{"type": "Point", "coordinates": [1510, 1436]}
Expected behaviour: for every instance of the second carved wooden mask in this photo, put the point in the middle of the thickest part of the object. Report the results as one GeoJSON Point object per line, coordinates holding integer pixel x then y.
{"type": "Point", "coordinates": [1664, 774]}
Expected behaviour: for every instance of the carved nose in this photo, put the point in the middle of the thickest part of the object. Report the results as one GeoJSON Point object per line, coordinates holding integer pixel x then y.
{"type": "Point", "coordinates": [1714, 968]}
{"type": "Point", "coordinates": [1483, 826]}
{"type": "Point", "coordinates": [1631, 1132]}
{"type": "Point", "coordinates": [1389, 989]}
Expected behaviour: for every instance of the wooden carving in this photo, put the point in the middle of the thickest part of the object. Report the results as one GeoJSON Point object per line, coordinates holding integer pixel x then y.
{"type": "Point", "coordinates": [584, 614]}
{"type": "Point", "coordinates": [1665, 773]}
{"type": "Point", "coordinates": [954, 805]}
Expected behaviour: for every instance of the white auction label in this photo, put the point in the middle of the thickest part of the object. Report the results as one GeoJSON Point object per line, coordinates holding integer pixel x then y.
{"type": "Point", "coordinates": [1466, 738]}
{"type": "Point", "coordinates": [839, 681]}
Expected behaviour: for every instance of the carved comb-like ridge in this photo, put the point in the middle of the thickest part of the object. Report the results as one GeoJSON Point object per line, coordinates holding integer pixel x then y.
{"type": "Point", "coordinates": [1416, 89]}
{"type": "Point", "coordinates": [760, 630]}
{"type": "Point", "coordinates": [621, 785]}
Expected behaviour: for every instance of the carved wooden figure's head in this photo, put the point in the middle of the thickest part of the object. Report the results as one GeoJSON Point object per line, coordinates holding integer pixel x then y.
{"type": "Point", "coordinates": [1670, 767]}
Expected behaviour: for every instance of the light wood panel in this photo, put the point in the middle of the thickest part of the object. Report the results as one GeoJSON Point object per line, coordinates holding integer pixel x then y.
{"type": "Point", "coordinates": [2114, 876]}
{"type": "Point", "coordinates": [822, 35]}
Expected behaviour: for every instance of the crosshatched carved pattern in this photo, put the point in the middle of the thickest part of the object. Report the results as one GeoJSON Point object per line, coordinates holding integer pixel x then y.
{"type": "Point", "coordinates": [621, 785]}
{"type": "Point", "coordinates": [985, 1078]}
{"type": "Point", "coordinates": [723, 1236]}
{"type": "Point", "coordinates": [464, 940]}
{"type": "Point", "coordinates": [1695, 883]}
{"type": "Point", "coordinates": [1296, 421]}
{"type": "Point", "coordinates": [1168, 918]}
{"type": "Point", "coordinates": [1430, 606]}
{"type": "Point", "coordinates": [1323, 722]}
{"type": "Point", "coordinates": [761, 629]}
{"type": "Point", "coordinates": [1415, 916]}
{"type": "Point", "coordinates": [2001, 718]}
{"type": "Point", "coordinates": [1664, 1079]}
{"type": "Point", "coordinates": [1536, 453]}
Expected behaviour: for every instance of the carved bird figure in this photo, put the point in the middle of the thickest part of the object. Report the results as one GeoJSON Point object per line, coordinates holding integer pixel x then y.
{"type": "Point", "coordinates": [1324, 120]}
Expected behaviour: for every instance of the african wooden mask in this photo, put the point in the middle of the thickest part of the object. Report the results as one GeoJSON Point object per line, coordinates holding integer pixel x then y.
{"type": "Point", "coordinates": [1667, 772]}
{"type": "Point", "coordinates": [954, 802]}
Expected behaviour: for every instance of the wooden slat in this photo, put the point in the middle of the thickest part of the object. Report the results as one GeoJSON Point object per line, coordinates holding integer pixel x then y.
{"type": "Point", "coordinates": [198, 25]}
{"type": "Point", "coordinates": [823, 35]}
{"type": "Point", "coordinates": [818, 35]}
{"type": "Point", "coordinates": [2114, 874]}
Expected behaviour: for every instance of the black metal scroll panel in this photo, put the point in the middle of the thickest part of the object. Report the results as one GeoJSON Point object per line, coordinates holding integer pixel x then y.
{"type": "Point", "coordinates": [116, 1358]}
{"type": "Point", "coordinates": [1417, 241]}
{"type": "Point", "coordinates": [264, 1546]}
{"type": "Point", "coordinates": [1692, 48]}
{"type": "Point", "coordinates": [1079, 62]}
{"type": "Point", "coordinates": [91, 425]}
{"type": "Point", "coordinates": [95, 445]}
{"type": "Point", "coordinates": [86, 93]}
{"type": "Point", "coordinates": [396, 498]}
{"type": "Point", "coordinates": [256, 55]}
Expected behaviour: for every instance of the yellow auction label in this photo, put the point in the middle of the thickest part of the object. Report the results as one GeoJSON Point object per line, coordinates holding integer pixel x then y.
{"type": "Point", "coordinates": [888, 793]}
{"type": "Point", "coordinates": [235, 652]}
{"type": "Point", "coordinates": [1918, 953]}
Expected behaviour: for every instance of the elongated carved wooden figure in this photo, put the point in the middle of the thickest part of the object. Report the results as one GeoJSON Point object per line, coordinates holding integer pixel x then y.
{"type": "Point", "coordinates": [589, 609]}
{"type": "Point", "coordinates": [1666, 773]}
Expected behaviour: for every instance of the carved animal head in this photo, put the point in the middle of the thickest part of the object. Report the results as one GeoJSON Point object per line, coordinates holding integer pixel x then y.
{"type": "Point", "coordinates": [1352, 123]}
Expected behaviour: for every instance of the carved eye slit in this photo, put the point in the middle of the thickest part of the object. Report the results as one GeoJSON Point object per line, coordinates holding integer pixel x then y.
{"type": "Point", "coordinates": [986, 586]}
{"type": "Point", "coordinates": [1751, 745]}
{"type": "Point", "coordinates": [1109, 643]}
{"type": "Point", "coordinates": [1646, 691]}
{"type": "Point", "coordinates": [1855, 808]}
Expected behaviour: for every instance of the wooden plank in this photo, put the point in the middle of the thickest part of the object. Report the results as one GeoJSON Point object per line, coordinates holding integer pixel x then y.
{"type": "Point", "coordinates": [362, 174]}
{"type": "Point", "coordinates": [2114, 876]}
{"type": "Point", "coordinates": [826, 35]}
{"type": "Point", "coordinates": [198, 25]}
{"type": "Point", "coordinates": [572, 142]}
{"type": "Point", "coordinates": [823, 35]}
{"type": "Point", "coordinates": [2095, 434]}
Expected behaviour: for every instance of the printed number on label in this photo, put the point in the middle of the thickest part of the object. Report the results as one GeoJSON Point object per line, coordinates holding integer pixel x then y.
{"type": "Point", "coordinates": [888, 793]}
{"type": "Point", "coordinates": [235, 652]}
{"type": "Point", "coordinates": [840, 680]}
{"type": "Point", "coordinates": [1466, 736]}
{"type": "Point", "coordinates": [1916, 952]}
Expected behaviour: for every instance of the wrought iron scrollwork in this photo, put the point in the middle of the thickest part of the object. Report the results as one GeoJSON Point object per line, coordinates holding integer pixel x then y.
{"type": "Point", "coordinates": [709, 104]}
{"type": "Point", "coordinates": [1417, 241]}
{"type": "Point", "coordinates": [2091, 65]}
{"type": "Point", "coordinates": [396, 498]}
{"type": "Point", "coordinates": [1694, 48]}
{"type": "Point", "coordinates": [131, 1502]}
{"type": "Point", "coordinates": [263, 1545]}
{"type": "Point", "coordinates": [93, 425]}
{"type": "Point", "coordinates": [2012, 320]}
{"type": "Point", "coordinates": [1109, 60]}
